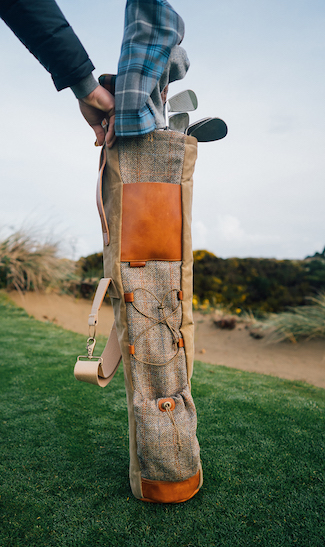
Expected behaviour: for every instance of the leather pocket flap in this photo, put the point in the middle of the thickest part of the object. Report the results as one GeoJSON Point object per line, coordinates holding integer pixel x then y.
{"type": "Point", "coordinates": [151, 222]}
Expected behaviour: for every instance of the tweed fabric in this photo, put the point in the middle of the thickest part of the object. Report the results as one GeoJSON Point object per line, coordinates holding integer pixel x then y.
{"type": "Point", "coordinates": [157, 157]}
{"type": "Point", "coordinates": [155, 345]}
{"type": "Point", "coordinates": [160, 457]}
{"type": "Point", "coordinates": [157, 382]}
{"type": "Point", "coordinates": [158, 450]}
{"type": "Point", "coordinates": [148, 331]}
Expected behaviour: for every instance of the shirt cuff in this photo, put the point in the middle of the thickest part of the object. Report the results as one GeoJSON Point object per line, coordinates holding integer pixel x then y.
{"type": "Point", "coordinates": [85, 86]}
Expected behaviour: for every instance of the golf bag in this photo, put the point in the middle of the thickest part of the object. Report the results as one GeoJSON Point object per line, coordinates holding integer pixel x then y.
{"type": "Point", "coordinates": [144, 197]}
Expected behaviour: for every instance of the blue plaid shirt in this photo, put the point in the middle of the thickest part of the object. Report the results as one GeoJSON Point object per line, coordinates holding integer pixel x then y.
{"type": "Point", "coordinates": [152, 28]}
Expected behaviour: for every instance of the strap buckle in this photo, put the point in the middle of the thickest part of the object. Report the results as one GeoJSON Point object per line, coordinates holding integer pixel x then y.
{"type": "Point", "coordinates": [91, 343]}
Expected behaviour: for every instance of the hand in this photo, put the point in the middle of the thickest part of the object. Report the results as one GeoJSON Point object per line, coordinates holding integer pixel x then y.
{"type": "Point", "coordinates": [95, 108]}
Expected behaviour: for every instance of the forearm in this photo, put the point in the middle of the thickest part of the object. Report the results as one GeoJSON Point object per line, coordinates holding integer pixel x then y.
{"type": "Point", "coordinates": [42, 28]}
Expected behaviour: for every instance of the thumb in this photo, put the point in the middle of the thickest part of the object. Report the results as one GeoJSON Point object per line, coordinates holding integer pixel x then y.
{"type": "Point", "coordinates": [100, 134]}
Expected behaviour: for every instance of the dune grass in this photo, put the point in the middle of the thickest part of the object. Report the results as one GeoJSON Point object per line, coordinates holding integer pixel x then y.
{"type": "Point", "coordinates": [28, 263]}
{"type": "Point", "coordinates": [302, 322]}
{"type": "Point", "coordinates": [64, 455]}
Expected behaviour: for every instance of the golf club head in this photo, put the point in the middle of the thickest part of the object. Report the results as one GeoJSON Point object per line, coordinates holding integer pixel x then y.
{"type": "Point", "coordinates": [185, 101]}
{"type": "Point", "coordinates": [208, 129]}
{"type": "Point", "coordinates": [179, 122]}
{"type": "Point", "coordinates": [194, 125]}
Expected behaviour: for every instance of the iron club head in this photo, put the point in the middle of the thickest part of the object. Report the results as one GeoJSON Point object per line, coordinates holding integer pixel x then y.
{"type": "Point", "coordinates": [185, 101]}
{"type": "Point", "coordinates": [208, 129]}
{"type": "Point", "coordinates": [179, 122]}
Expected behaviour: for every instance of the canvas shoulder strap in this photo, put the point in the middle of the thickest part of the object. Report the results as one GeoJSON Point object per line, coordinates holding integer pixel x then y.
{"type": "Point", "coordinates": [99, 370]}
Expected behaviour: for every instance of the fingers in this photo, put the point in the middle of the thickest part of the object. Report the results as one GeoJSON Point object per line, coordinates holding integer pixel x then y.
{"type": "Point", "coordinates": [97, 106]}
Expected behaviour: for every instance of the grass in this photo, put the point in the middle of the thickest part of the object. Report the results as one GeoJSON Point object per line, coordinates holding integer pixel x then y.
{"type": "Point", "coordinates": [64, 455]}
{"type": "Point", "coordinates": [303, 322]}
{"type": "Point", "coordinates": [26, 263]}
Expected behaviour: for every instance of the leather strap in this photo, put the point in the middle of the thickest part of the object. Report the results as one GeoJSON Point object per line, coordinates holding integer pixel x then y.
{"type": "Point", "coordinates": [98, 300]}
{"type": "Point", "coordinates": [100, 370]}
{"type": "Point", "coordinates": [99, 197]}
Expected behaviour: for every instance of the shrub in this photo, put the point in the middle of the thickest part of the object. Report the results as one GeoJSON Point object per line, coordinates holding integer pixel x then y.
{"type": "Point", "coordinates": [90, 271]}
{"type": "Point", "coordinates": [258, 284]}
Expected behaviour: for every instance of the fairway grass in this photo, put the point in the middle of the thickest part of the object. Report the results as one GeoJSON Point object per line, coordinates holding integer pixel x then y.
{"type": "Point", "coordinates": [64, 454]}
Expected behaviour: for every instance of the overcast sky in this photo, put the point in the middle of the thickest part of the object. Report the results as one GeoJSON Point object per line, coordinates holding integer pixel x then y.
{"type": "Point", "coordinates": [257, 64]}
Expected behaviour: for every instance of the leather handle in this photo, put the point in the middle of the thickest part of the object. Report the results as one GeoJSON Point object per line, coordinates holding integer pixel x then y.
{"type": "Point", "coordinates": [100, 371]}
{"type": "Point", "coordinates": [98, 300]}
{"type": "Point", "coordinates": [99, 197]}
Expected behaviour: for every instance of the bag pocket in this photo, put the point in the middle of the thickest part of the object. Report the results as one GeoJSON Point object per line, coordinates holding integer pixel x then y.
{"type": "Point", "coordinates": [167, 447]}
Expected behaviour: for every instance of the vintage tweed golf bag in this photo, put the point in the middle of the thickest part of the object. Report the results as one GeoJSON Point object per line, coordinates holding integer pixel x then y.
{"type": "Point", "coordinates": [144, 198]}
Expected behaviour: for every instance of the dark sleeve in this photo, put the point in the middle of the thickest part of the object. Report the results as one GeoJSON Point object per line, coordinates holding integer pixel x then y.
{"type": "Point", "coordinates": [42, 28]}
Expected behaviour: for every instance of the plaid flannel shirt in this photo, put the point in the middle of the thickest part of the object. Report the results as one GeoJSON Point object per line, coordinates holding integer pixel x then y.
{"type": "Point", "coordinates": [152, 28]}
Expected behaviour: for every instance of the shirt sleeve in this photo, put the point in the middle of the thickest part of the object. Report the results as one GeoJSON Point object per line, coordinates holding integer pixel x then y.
{"type": "Point", "coordinates": [42, 28]}
{"type": "Point", "coordinates": [152, 28]}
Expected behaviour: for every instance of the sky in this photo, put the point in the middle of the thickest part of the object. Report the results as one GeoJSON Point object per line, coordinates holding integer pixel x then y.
{"type": "Point", "coordinates": [257, 64]}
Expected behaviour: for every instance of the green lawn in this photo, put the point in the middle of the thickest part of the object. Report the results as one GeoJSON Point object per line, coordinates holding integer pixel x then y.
{"type": "Point", "coordinates": [64, 455]}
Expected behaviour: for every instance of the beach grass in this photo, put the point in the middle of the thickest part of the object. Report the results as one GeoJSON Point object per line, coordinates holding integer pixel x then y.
{"type": "Point", "coordinates": [300, 323]}
{"type": "Point", "coordinates": [28, 263]}
{"type": "Point", "coordinates": [64, 454]}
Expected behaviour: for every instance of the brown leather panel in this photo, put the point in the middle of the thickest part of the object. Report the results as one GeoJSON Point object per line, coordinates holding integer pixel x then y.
{"type": "Point", "coordinates": [170, 492]}
{"type": "Point", "coordinates": [169, 400]}
{"type": "Point", "coordinates": [128, 297]}
{"type": "Point", "coordinates": [151, 222]}
{"type": "Point", "coordinates": [137, 264]}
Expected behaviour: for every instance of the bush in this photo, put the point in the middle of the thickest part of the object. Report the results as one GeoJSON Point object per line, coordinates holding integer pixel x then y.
{"type": "Point", "coordinates": [258, 284]}
{"type": "Point", "coordinates": [90, 271]}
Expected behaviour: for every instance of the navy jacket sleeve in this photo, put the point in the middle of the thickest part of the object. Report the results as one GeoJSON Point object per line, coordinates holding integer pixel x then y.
{"type": "Point", "coordinates": [42, 28]}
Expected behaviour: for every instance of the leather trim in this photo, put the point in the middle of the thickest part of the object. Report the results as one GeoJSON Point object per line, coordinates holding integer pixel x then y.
{"type": "Point", "coordinates": [137, 264]}
{"type": "Point", "coordinates": [151, 222]}
{"type": "Point", "coordinates": [166, 400]}
{"type": "Point", "coordinates": [99, 197]}
{"type": "Point", "coordinates": [128, 297]}
{"type": "Point", "coordinates": [170, 492]}
{"type": "Point", "coordinates": [98, 300]}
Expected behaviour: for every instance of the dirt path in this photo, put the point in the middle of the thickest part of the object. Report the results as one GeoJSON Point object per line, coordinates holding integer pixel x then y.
{"type": "Point", "coordinates": [304, 361]}
{"type": "Point", "coordinates": [237, 349]}
{"type": "Point", "coordinates": [66, 311]}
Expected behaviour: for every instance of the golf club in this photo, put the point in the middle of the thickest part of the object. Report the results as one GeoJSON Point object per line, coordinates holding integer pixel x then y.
{"type": "Point", "coordinates": [185, 101]}
{"type": "Point", "coordinates": [208, 129]}
{"type": "Point", "coordinates": [179, 122]}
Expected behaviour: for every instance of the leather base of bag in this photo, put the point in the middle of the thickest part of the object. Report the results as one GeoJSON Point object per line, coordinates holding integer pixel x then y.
{"type": "Point", "coordinates": [171, 492]}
